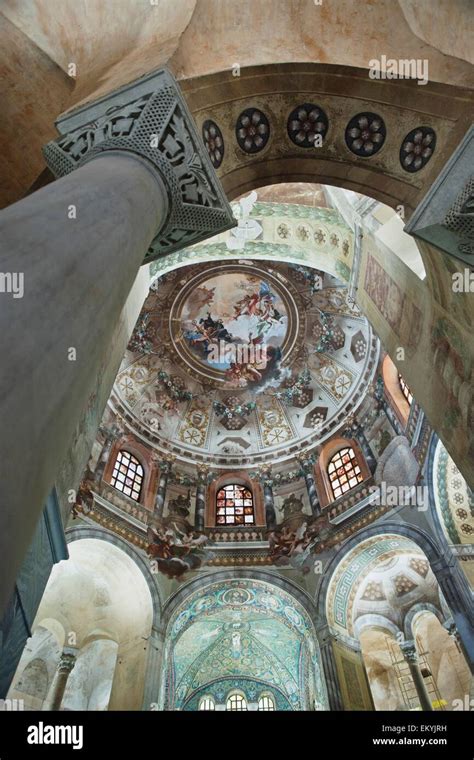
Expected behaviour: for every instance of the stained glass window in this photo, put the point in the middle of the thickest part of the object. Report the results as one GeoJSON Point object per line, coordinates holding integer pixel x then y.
{"type": "Point", "coordinates": [207, 703]}
{"type": "Point", "coordinates": [266, 703]}
{"type": "Point", "coordinates": [234, 506]}
{"type": "Point", "coordinates": [405, 389]}
{"type": "Point", "coordinates": [236, 702]}
{"type": "Point", "coordinates": [127, 475]}
{"type": "Point", "coordinates": [344, 471]}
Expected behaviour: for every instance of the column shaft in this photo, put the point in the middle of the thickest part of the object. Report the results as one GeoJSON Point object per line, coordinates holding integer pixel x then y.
{"type": "Point", "coordinates": [103, 459]}
{"type": "Point", "coordinates": [78, 244]}
{"type": "Point", "coordinates": [411, 657]}
{"type": "Point", "coordinates": [330, 672]}
{"type": "Point", "coordinates": [161, 492]}
{"type": "Point", "coordinates": [58, 686]}
{"type": "Point", "coordinates": [200, 508]}
{"type": "Point", "coordinates": [312, 494]}
{"type": "Point", "coordinates": [270, 514]}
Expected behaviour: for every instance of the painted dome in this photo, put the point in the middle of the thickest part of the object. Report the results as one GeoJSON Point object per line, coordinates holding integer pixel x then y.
{"type": "Point", "coordinates": [244, 361]}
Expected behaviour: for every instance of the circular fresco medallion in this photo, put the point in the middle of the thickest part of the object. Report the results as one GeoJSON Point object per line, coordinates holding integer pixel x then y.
{"type": "Point", "coordinates": [234, 325]}
{"type": "Point", "coordinates": [237, 596]}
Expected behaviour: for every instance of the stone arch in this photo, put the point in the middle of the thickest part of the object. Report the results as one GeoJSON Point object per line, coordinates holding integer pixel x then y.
{"type": "Point", "coordinates": [222, 97]}
{"type": "Point", "coordinates": [265, 602]}
{"type": "Point", "coordinates": [78, 532]}
{"type": "Point", "coordinates": [427, 543]}
{"type": "Point", "coordinates": [375, 621]}
{"type": "Point", "coordinates": [414, 612]}
{"type": "Point", "coordinates": [268, 576]}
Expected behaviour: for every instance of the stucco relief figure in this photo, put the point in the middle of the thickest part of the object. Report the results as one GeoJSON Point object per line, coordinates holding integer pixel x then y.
{"type": "Point", "coordinates": [295, 547]}
{"type": "Point", "coordinates": [180, 505]}
{"type": "Point", "coordinates": [177, 550]}
{"type": "Point", "coordinates": [291, 506]}
{"type": "Point", "coordinates": [85, 496]}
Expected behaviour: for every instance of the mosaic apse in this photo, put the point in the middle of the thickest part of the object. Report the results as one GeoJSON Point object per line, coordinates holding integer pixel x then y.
{"type": "Point", "coordinates": [233, 361]}
{"type": "Point", "coordinates": [243, 634]}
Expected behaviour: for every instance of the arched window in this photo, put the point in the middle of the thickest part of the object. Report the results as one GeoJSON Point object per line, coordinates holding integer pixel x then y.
{"type": "Point", "coordinates": [127, 475]}
{"type": "Point", "coordinates": [344, 471]}
{"type": "Point", "coordinates": [234, 506]}
{"type": "Point", "coordinates": [206, 703]}
{"type": "Point", "coordinates": [405, 389]}
{"type": "Point", "coordinates": [266, 703]}
{"type": "Point", "coordinates": [236, 703]}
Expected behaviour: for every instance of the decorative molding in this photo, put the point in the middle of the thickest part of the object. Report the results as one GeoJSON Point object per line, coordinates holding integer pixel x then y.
{"type": "Point", "coordinates": [151, 119]}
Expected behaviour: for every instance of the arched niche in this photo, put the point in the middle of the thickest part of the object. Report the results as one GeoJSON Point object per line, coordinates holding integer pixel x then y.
{"type": "Point", "coordinates": [246, 633]}
{"type": "Point", "coordinates": [328, 451]}
{"type": "Point", "coordinates": [37, 665]}
{"type": "Point", "coordinates": [101, 601]}
{"type": "Point", "coordinates": [144, 455]}
{"type": "Point", "coordinates": [451, 501]}
{"type": "Point", "coordinates": [393, 391]}
{"type": "Point", "coordinates": [238, 477]}
{"type": "Point", "coordinates": [380, 575]}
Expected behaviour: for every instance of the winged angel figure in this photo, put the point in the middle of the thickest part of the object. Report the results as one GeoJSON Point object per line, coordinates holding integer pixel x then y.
{"type": "Point", "coordinates": [176, 551]}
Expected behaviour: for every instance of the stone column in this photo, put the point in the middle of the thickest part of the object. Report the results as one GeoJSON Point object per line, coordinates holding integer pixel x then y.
{"type": "Point", "coordinates": [200, 507]}
{"type": "Point", "coordinates": [58, 686]}
{"type": "Point", "coordinates": [330, 669]}
{"type": "Point", "coordinates": [110, 437]}
{"type": "Point", "coordinates": [136, 183]}
{"type": "Point", "coordinates": [265, 477]}
{"type": "Point", "coordinates": [411, 657]}
{"type": "Point", "coordinates": [270, 515]}
{"type": "Point", "coordinates": [165, 469]}
{"type": "Point", "coordinates": [306, 465]}
{"type": "Point", "coordinates": [154, 670]}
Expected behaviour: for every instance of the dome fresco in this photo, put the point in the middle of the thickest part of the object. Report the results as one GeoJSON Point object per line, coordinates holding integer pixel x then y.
{"type": "Point", "coordinates": [243, 358]}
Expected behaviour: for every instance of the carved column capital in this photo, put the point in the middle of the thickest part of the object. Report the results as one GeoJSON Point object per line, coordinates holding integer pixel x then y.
{"type": "Point", "coordinates": [164, 462]}
{"type": "Point", "coordinates": [306, 463]}
{"type": "Point", "coordinates": [203, 474]}
{"type": "Point", "coordinates": [409, 651]}
{"type": "Point", "coordinates": [150, 118]}
{"type": "Point", "coordinates": [265, 476]}
{"type": "Point", "coordinates": [66, 662]}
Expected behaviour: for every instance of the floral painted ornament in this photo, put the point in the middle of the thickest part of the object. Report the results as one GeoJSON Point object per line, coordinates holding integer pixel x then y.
{"type": "Point", "coordinates": [417, 148]}
{"type": "Point", "coordinates": [252, 130]}
{"type": "Point", "coordinates": [214, 142]}
{"type": "Point", "coordinates": [305, 123]}
{"type": "Point", "coordinates": [365, 134]}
